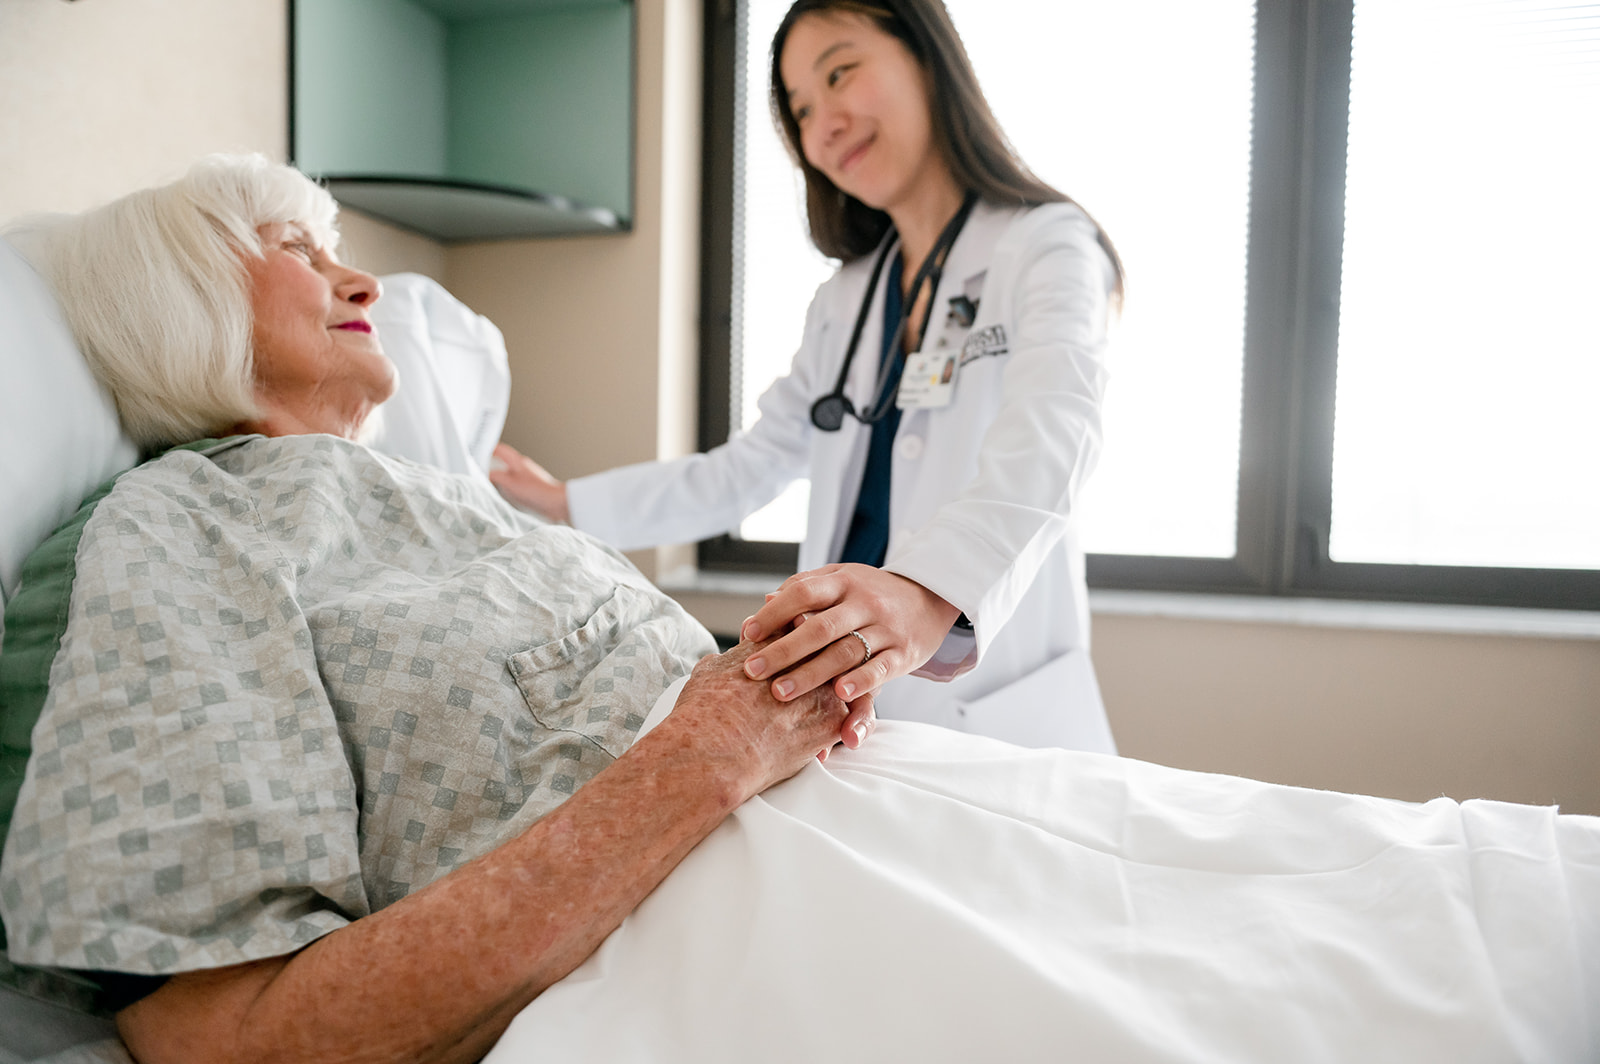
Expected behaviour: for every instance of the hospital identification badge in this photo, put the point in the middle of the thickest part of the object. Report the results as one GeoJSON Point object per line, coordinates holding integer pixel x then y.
{"type": "Point", "coordinates": [928, 381]}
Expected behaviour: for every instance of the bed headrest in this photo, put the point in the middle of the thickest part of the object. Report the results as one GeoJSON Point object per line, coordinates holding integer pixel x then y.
{"type": "Point", "coordinates": [59, 434]}
{"type": "Point", "coordinates": [60, 438]}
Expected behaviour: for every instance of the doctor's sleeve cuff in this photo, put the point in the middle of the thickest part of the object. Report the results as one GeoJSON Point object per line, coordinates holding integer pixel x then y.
{"type": "Point", "coordinates": [956, 656]}
{"type": "Point", "coordinates": [993, 573]}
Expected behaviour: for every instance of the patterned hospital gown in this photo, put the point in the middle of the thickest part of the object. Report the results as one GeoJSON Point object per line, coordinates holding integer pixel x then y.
{"type": "Point", "coordinates": [300, 680]}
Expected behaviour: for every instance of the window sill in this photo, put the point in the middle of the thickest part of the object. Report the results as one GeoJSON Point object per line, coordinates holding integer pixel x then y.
{"type": "Point", "coordinates": [736, 595]}
{"type": "Point", "coordinates": [1340, 613]}
{"type": "Point", "coordinates": [690, 580]}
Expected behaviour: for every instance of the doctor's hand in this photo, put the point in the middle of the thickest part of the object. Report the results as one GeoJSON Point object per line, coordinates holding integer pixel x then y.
{"type": "Point", "coordinates": [526, 483]}
{"type": "Point", "coordinates": [855, 625]}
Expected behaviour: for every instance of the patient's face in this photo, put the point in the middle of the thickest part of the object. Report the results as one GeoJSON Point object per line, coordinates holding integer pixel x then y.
{"type": "Point", "coordinates": [317, 358]}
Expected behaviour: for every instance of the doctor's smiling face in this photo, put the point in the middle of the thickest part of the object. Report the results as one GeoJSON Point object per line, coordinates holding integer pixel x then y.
{"type": "Point", "coordinates": [318, 363]}
{"type": "Point", "coordinates": [861, 102]}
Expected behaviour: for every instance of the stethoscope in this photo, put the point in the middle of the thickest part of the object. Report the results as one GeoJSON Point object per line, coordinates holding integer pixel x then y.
{"type": "Point", "coordinates": [828, 412]}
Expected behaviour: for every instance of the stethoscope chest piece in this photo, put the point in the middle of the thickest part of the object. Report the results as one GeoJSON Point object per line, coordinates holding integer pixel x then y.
{"type": "Point", "coordinates": [828, 412]}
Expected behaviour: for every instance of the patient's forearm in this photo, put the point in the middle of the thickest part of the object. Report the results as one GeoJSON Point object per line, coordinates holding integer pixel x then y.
{"type": "Point", "coordinates": [438, 975]}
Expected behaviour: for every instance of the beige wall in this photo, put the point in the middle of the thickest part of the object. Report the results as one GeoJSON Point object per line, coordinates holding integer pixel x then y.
{"type": "Point", "coordinates": [100, 98]}
{"type": "Point", "coordinates": [1402, 714]}
{"type": "Point", "coordinates": [602, 329]}
{"type": "Point", "coordinates": [97, 99]}
{"type": "Point", "coordinates": [1397, 713]}
{"type": "Point", "coordinates": [103, 96]}
{"type": "Point", "coordinates": [383, 248]}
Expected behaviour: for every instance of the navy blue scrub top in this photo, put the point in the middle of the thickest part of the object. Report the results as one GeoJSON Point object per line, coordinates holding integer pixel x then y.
{"type": "Point", "coordinates": [868, 539]}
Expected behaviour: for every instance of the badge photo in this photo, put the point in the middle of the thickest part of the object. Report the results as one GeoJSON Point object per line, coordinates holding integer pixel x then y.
{"type": "Point", "coordinates": [929, 380]}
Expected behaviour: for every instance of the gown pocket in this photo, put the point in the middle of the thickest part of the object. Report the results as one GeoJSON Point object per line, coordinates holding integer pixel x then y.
{"type": "Point", "coordinates": [600, 680]}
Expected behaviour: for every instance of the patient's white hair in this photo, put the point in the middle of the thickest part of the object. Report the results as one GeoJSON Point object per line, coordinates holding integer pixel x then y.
{"type": "Point", "coordinates": [154, 288]}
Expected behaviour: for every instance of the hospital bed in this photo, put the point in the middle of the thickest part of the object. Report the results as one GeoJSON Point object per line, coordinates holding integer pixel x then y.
{"type": "Point", "coordinates": [1048, 905]}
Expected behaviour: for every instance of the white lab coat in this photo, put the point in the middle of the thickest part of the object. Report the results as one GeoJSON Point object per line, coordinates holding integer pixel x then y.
{"type": "Point", "coordinates": [983, 491]}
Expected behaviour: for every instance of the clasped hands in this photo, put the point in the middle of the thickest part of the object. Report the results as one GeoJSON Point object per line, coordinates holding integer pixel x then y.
{"type": "Point", "coordinates": [819, 626]}
{"type": "Point", "coordinates": [855, 625]}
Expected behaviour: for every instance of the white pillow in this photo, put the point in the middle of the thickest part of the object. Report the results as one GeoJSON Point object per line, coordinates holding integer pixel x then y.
{"type": "Point", "coordinates": [59, 434]}
{"type": "Point", "coordinates": [455, 382]}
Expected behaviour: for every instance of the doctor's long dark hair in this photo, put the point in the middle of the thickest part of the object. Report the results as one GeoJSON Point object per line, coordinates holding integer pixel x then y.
{"type": "Point", "coordinates": [964, 129]}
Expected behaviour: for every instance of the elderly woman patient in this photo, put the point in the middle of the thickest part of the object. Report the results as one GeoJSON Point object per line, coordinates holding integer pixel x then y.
{"type": "Point", "coordinates": [336, 757]}
{"type": "Point", "coordinates": [362, 718]}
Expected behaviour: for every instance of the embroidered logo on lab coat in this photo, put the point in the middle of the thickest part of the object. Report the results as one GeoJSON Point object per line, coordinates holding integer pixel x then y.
{"type": "Point", "coordinates": [990, 340]}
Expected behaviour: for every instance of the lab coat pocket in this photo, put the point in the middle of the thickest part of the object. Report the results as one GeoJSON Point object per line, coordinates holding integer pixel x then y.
{"type": "Point", "coordinates": [1057, 704]}
{"type": "Point", "coordinates": [600, 680]}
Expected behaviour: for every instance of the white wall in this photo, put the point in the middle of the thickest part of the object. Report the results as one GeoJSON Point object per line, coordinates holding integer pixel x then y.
{"type": "Point", "coordinates": [103, 96]}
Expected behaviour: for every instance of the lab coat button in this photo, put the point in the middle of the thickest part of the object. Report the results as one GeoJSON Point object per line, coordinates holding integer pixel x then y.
{"type": "Point", "coordinates": [910, 447]}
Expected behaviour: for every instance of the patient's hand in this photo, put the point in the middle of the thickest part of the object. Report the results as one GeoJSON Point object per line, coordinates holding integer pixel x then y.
{"type": "Point", "coordinates": [737, 718]}
{"type": "Point", "coordinates": [527, 484]}
{"type": "Point", "coordinates": [902, 621]}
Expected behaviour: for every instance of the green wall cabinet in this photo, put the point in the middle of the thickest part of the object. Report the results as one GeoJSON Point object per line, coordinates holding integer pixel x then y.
{"type": "Point", "coordinates": [468, 119]}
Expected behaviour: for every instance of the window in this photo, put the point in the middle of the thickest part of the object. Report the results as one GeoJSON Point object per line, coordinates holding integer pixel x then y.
{"type": "Point", "coordinates": [1469, 322]}
{"type": "Point", "coordinates": [1361, 336]}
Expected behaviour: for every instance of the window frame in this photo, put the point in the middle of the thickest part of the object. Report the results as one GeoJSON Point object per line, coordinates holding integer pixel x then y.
{"type": "Point", "coordinates": [1300, 118]}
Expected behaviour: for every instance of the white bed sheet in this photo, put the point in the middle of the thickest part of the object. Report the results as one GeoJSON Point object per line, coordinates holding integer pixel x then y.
{"type": "Point", "coordinates": [936, 897]}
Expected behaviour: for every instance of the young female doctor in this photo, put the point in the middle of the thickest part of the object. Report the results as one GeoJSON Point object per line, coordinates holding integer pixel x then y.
{"type": "Point", "coordinates": [945, 401]}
